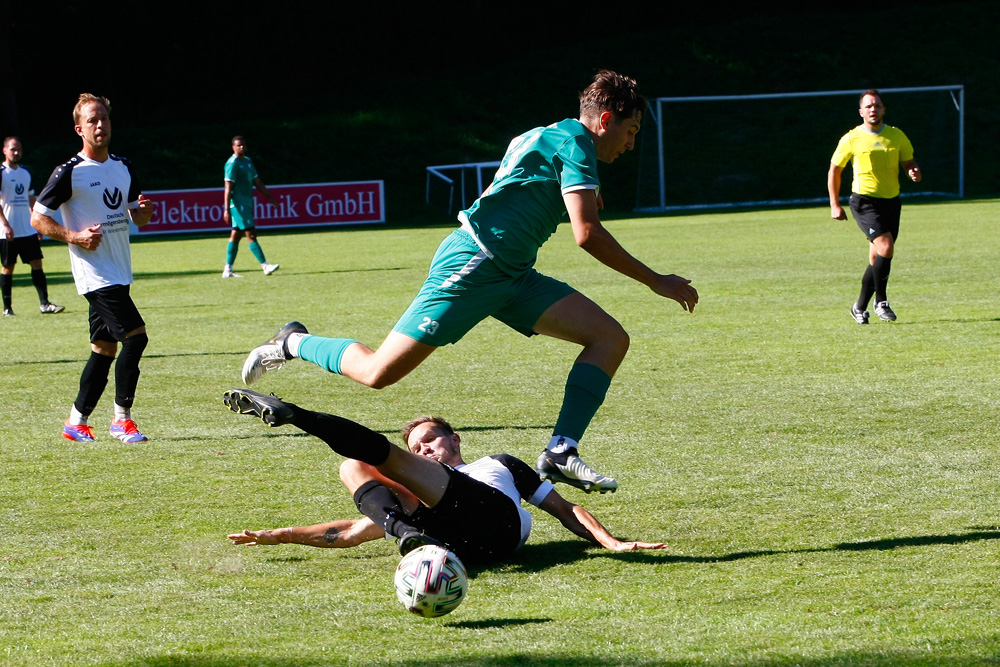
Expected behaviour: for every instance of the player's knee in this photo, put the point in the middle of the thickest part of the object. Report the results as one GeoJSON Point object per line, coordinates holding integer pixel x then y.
{"type": "Point", "coordinates": [354, 473]}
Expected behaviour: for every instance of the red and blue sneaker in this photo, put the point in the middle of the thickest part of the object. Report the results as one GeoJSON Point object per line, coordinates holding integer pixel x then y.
{"type": "Point", "coordinates": [78, 432]}
{"type": "Point", "coordinates": [126, 431]}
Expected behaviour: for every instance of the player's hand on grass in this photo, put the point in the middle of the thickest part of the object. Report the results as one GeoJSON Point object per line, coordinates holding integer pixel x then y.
{"type": "Point", "coordinates": [677, 288]}
{"type": "Point", "coordinates": [635, 546]}
{"type": "Point", "coordinates": [252, 538]}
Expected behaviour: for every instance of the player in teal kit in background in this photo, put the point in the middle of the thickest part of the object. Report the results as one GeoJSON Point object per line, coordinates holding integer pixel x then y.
{"type": "Point", "coordinates": [485, 269]}
{"type": "Point", "coordinates": [241, 178]}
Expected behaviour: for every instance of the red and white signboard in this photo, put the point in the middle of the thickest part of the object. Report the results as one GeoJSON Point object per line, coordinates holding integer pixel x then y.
{"type": "Point", "coordinates": [355, 203]}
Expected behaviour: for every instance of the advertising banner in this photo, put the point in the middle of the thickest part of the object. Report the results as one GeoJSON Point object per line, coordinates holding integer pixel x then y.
{"type": "Point", "coordinates": [304, 205]}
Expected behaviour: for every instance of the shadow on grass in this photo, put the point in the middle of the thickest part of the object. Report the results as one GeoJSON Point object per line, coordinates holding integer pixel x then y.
{"type": "Point", "coordinates": [953, 654]}
{"type": "Point", "coordinates": [83, 359]}
{"type": "Point", "coordinates": [540, 557]}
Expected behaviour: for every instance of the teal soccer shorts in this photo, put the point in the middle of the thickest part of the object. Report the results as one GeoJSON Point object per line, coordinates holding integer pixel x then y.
{"type": "Point", "coordinates": [464, 287]}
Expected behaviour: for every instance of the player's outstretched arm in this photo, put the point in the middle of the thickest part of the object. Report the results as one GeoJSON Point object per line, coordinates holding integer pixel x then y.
{"type": "Point", "coordinates": [592, 236]}
{"type": "Point", "coordinates": [340, 534]}
{"type": "Point", "coordinates": [581, 522]}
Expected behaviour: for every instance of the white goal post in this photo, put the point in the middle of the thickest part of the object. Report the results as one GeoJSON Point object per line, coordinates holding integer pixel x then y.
{"type": "Point", "coordinates": [722, 151]}
{"type": "Point", "coordinates": [470, 177]}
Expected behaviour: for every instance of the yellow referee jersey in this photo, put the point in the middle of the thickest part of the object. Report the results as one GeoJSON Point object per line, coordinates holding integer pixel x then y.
{"type": "Point", "coordinates": [877, 156]}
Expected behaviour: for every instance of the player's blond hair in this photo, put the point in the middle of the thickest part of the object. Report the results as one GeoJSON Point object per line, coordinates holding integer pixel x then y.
{"type": "Point", "coordinates": [85, 99]}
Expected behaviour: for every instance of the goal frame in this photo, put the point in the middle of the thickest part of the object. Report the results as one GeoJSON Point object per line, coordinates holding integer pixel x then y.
{"type": "Point", "coordinates": [656, 107]}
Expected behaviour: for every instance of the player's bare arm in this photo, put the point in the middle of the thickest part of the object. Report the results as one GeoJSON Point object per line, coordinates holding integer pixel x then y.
{"type": "Point", "coordinates": [227, 196]}
{"type": "Point", "coordinates": [913, 171]}
{"type": "Point", "coordinates": [259, 184]}
{"type": "Point", "coordinates": [341, 534]}
{"type": "Point", "coordinates": [142, 215]}
{"type": "Point", "coordinates": [580, 522]}
{"type": "Point", "coordinates": [833, 187]}
{"type": "Point", "coordinates": [88, 239]}
{"type": "Point", "coordinates": [592, 236]}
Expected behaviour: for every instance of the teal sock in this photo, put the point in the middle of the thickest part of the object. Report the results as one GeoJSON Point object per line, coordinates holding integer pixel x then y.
{"type": "Point", "coordinates": [586, 387]}
{"type": "Point", "coordinates": [257, 252]}
{"type": "Point", "coordinates": [324, 352]}
{"type": "Point", "coordinates": [231, 251]}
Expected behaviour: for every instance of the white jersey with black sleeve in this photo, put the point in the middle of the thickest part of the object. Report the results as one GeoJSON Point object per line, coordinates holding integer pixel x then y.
{"type": "Point", "coordinates": [15, 198]}
{"type": "Point", "coordinates": [515, 478]}
{"type": "Point", "coordinates": [85, 193]}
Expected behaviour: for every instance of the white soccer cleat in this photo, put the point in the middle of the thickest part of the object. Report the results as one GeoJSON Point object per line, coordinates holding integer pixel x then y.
{"type": "Point", "coordinates": [229, 273]}
{"type": "Point", "coordinates": [270, 356]}
{"type": "Point", "coordinates": [569, 468]}
{"type": "Point", "coordinates": [269, 268]}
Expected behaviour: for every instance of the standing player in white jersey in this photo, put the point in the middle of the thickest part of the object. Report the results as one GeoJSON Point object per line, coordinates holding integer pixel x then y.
{"type": "Point", "coordinates": [17, 238]}
{"type": "Point", "coordinates": [96, 194]}
{"type": "Point", "coordinates": [486, 269]}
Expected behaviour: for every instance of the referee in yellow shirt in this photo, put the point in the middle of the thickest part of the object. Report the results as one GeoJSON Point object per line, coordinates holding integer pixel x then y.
{"type": "Point", "coordinates": [877, 150]}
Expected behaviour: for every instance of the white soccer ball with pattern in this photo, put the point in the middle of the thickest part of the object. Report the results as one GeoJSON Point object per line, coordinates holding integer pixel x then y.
{"type": "Point", "coordinates": [431, 581]}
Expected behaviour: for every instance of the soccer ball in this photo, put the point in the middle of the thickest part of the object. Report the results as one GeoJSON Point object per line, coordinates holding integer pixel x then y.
{"type": "Point", "coordinates": [431, 581]}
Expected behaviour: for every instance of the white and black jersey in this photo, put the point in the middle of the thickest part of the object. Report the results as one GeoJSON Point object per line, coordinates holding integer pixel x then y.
{"type": "Point", "coordinates": [15, 198]}
{"type": "Point", "coordinates": [85, 193]}
{"type": "Point", "coordinates": [515, 479]}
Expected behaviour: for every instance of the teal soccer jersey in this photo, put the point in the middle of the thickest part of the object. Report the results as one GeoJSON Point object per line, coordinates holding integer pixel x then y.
{"type": "Point", "coordinates": [523, 205]}
{"type": "Point", "coordinates": [241, 173]}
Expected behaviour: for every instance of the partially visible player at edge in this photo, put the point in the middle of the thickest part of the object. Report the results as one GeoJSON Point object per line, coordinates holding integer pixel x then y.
{"type": "Point", "coordinates": [238, 202]}
{"type": "Point", "coordinates": [877, 150]}
{"type": "Point", "coordinates": [96, 194]}
{"type": "Point", "coordinates": [17, 238]}
{"type": "Point", "coordinates": [485, 268]}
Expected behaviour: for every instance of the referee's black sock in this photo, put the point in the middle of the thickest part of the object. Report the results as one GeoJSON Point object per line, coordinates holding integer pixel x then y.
{"type": "Point", "coordinates": [344, 436]}
{"type": "Point", "coordinates": [880, 275]}
{"type": "Point", "coordinates": [92, 382]}
{"type": "Point", "coordinates": [867, 288]}
{"type": "Point", "coordinates": [377, 502]}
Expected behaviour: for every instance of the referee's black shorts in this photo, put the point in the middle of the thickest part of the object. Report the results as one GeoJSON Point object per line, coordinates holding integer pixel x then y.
{"type": "Point", "coordinates": [876, 216]}
{"type": "Point", "coordinates": [475, 520]}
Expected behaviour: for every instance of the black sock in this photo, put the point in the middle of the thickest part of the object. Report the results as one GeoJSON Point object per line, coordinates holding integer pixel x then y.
{"type": "Point", "coordinates": [867, 288]}
{"type": "Point", "coordinates": [880, 274]}
{"type": "Point", "coordinates": [92, 383]}
{"type": "Point", "coordinates": [380, 504]}
{"type": "Point", "coordinates": [344, 436]}
{"type": "Point", "coordinates": [6, 283]}
{"type": "Point", "coordinates": [41, 285]}
{"type": "Point", "coordinates": [127, 369]}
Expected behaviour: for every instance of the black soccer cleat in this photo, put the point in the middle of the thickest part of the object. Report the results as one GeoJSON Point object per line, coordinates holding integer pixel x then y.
{"type": "Point", "coordinates": [412, 539]}
{"type": "Point", "coordinates": [267, 407]}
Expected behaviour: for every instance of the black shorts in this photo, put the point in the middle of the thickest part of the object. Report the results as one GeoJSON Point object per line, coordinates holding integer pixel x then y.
{"type": "Point", "coordinates": [875, 216]}
{"type": "Point", "coordinates": [476, 521]}
{"type": "Point", "coordinates": [28, 247]}
{"type": "Point", "coordinates": [112, 313]}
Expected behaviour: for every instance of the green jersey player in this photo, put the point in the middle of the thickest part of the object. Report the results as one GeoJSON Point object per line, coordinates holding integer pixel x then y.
{"type": "Point", "coordinates": [486, 269]}
{"type": "Point", "coordinates": [240, 180]}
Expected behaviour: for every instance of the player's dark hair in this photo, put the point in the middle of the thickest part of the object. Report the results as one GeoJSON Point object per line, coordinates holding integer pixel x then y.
{"type": "Point", "coordinates": [873, 93]}
{"type": "Point", "coordinates": [238, 137]}
{"type": "Point", "coordinates": [612, 92]}
{"type": "Point", "coordinates": [11, 137]}
{"type": "Point", "coordinates": [85, 99]}
{"type": "Point", "coordinates": [423, 419]}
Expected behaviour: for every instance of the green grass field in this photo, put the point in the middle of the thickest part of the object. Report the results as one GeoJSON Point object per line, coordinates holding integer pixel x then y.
{"type": "Point", "coordinates": [828, 491]}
